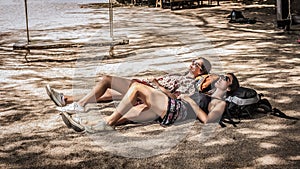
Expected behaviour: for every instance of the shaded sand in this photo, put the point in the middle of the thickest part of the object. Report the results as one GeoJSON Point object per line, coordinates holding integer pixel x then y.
{"type": "Point", "coordinates": [34, 136]}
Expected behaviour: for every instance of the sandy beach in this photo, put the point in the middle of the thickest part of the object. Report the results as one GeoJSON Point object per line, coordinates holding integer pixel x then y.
{"type": "Point", "coordinates": [160, 41]}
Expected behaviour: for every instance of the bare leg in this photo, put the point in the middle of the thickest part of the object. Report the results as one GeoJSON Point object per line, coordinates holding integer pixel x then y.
{"type": "Point", "coordinates": [69, 99]}
{"type": "Point", "coordinates": [109, 95]}
{"type": "Point", "coordinates": [118, 84]}
{"type": "Point", "coordinates": [137, 114]}
{"type": "Point", "coordinates": [155, 102]}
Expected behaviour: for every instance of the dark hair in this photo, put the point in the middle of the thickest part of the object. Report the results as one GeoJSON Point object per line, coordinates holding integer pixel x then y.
{"type": "Point", "coordinates": [234, 84]}
{"type": "Point", "coordinates": [206, 67]}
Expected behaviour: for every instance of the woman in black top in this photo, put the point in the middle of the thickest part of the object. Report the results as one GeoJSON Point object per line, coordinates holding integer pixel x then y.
{"type": "Point", "coordinates": [156, 104]}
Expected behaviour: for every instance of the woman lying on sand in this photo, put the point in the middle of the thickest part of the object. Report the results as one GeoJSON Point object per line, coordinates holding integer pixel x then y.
{"type": "Point", "coordinates": [156, 105]}
{"type": "Point", "coordinates": [112, 87]}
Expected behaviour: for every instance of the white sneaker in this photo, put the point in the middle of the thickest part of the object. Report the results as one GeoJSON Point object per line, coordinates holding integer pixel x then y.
{"type": "Point", "coordinates": [72, 108]}
{"type": "Point", "coordinates": [56, 97]}
{"type": "Point", "coordinates": [72, 122]}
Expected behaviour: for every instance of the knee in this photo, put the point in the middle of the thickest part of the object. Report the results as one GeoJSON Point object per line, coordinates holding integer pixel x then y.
{"type": "Point", "coordinates": [106, 79]}
{"type": "Point", "coordinates": [138, 88]}
{"type": "Point", "coordinates": [135, 86]}
{"type": "Point", "coordinates": [134, 91]}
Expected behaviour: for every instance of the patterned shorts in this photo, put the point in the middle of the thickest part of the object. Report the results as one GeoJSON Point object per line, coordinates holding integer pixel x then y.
{"type": "Point", "coordinates": [177, 111]}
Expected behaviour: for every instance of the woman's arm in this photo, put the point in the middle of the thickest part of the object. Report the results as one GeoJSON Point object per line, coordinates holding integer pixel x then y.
{"type": "Point", "coordinates": [164, 90]}
{"type": "Point", "coordinates": [214, 114]}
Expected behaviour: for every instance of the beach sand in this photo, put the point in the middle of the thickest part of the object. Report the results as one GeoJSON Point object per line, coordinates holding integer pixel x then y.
{"type": "Point", "coordinates": [160, 40]}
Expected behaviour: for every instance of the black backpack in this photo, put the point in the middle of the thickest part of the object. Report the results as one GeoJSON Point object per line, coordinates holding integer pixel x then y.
{"type": "Point", "coordinates": [238, 17]}
{"type": "Point", "coordinates": [244, 103]}
{"type": "Point", "coordinates": [235, 15]}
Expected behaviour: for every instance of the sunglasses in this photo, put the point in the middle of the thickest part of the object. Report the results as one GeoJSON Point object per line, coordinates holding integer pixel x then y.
{"type": "Point", "coordinates": [225, 78]}
{"type": "Point", "coordinates": [197, 64]}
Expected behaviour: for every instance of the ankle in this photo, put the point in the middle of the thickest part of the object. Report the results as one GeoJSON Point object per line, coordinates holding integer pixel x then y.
{"type": "Point", "coordinates": [109, 122]}
{"type": "Point", "coordinates": [81, 104]}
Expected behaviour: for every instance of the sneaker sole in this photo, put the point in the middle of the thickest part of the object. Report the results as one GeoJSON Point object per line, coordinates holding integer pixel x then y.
{"type": "Point", "coordinates": [65, 111]}
{"type": "Point", "coordinates": [70, 112]}
{"type": "Point", "coordinates": [49, 92]}
{"type": "Point", "coordinates": [70, 123]}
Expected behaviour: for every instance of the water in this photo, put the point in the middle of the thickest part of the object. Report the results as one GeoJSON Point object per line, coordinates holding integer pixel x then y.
{"type": "Point", "coordinates": [42, 14]}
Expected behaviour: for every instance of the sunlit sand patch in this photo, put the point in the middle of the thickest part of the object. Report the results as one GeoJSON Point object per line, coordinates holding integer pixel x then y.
{"type": "Point", "coordinates": [292, 60]}
{"type": "Point", "coordinates": [255, 79]}
{"type": "Point", "coordinates": [290, 93]}
{"type": "Point", "coordinates": [244, 66]}
{"type": "Point", "coordinates": [222, 141]}
{"type": "Point", "coordinates": [267, 145]}
{"type": "Point", "coordinates": [50, 123]}
{"type": "Point", "coordinates": [294, 158]}
{"type": "Point", "coordinates": [260, 68]}
{"type": "Point", "coordinates": [8, 146]}
{"type": "Point", "coordinates": [283, 99]}
{"type": "Point", "coordinates": [36, 125]}
{"type": "Point", "coordinates": [253, 62]}
{"type": "Point", "coordinates": [225, 52]}
{"type": "Point", "coordinates": [267, 84]}
{"type": "Point", "coordinates": [237, 47]}
{"type": "Point", "coordinates": [214, 159]}
{"type": "Point", "coordinates": [268, 120]}
{"type": "Point", "coordinates": [269, 159]}
{"type": "Point", "coordinates": [264, 44]}
{"type": "Point", "coordinates": [294, 78]}
{"type": "Point", "coordinates": [33, 149]}
{"type": "Point", "coordinates": [274, 71]}
{"type": "Point", "coordinates": [257, 133]}
{"type": "Point", "coordinates": [270, 127]}
{"type": "Point", "coordinates": [60, 151]}
{"type": "Point", "coordinates": [63, 147]}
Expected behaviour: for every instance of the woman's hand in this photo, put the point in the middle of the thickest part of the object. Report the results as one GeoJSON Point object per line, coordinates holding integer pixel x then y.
{"type": "Point", "coordinates": [153, 80]}
{"type": "Point", "coordinates": [184, 97]}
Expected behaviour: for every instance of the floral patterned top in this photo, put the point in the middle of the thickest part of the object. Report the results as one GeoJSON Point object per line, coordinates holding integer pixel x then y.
{"type": "Point", "coordinates": [175, 83]}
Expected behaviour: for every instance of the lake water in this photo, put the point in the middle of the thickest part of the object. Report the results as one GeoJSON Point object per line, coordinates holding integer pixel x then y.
{"type": "Point", "coordinates": [42, 13]}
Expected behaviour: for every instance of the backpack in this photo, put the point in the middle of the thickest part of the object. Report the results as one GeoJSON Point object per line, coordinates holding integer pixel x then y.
{"type": "Point", "coordinates": [237, 17]}
{"type": "Point", "coordinates": [244, 103]}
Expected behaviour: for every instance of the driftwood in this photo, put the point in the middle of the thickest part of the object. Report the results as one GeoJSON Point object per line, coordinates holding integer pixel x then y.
{"type": "Point", "coordinates": [68, 45]}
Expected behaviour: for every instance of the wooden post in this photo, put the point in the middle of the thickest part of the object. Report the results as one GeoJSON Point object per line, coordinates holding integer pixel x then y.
{"type": "Point", "coordinates": [26, 15]}
{"type": "Point", "coordinates": [111, 18]}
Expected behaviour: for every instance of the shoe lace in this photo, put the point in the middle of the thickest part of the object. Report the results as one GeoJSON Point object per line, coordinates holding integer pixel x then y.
{"type": "Point", "coordinates": [77, 119]}
{"type": "Point", "coordinates": [75, 106]}
{"type": "Point", "coordinates": [57, 94]}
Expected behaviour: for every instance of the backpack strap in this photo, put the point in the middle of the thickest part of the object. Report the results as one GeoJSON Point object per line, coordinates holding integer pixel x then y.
{"type": "Point", "coordinates": [243, 102]}
{"type": "Point", "coordinates": [278, 113]}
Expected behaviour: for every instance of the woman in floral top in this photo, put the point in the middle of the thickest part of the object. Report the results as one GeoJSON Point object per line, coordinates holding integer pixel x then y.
{"type": "Point", "coordinates": [115, 87]}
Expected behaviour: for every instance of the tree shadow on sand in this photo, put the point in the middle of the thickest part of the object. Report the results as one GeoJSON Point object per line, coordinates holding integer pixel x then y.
{"type": "Point", "coordinates": [33, 137]}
